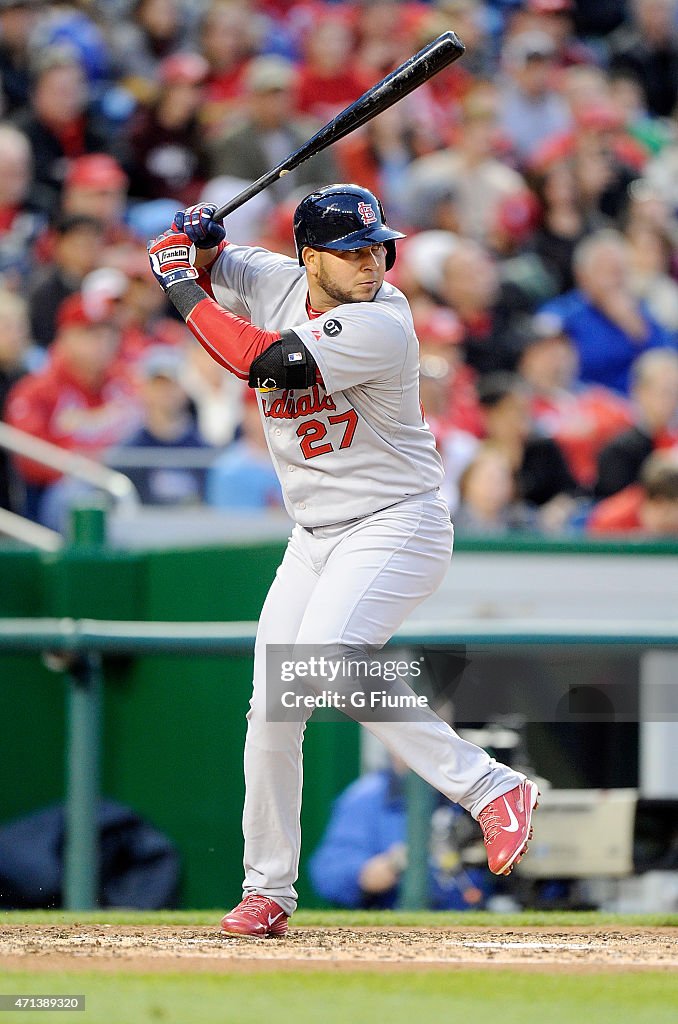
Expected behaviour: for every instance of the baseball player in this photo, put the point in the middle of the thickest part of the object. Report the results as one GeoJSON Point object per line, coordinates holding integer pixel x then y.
{"type": "Point", "coordinates": [331, 349]}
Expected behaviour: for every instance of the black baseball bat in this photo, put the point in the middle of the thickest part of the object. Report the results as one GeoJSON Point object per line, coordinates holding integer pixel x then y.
{"type": "Point", "coordinates": [443, 51]}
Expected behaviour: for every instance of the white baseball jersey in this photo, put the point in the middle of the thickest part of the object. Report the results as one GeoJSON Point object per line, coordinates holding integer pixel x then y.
{"type": "Point", "coordinates": [358, 441]}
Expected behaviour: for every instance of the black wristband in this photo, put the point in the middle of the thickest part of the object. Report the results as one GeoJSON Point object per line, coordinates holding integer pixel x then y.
{"type": "Point", "coordinates": [185, 296]}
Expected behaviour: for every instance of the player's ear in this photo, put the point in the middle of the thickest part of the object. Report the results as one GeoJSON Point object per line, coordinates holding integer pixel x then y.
{"type": "Point", "coordinates": [310, 259]}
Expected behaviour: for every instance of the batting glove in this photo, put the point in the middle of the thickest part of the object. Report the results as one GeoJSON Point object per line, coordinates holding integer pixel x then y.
{"type": "Point", "coordinates": [170, 255]}
{"type": "Point", "coordinates": [197, 223]}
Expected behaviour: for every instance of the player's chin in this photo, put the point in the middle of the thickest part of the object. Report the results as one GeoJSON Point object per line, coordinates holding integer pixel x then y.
{"type": "Point", "coordinates": [366, 291]}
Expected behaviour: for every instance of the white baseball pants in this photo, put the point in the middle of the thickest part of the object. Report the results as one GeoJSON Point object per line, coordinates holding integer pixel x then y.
{"type": "Point", "coordinates": [351, 584]}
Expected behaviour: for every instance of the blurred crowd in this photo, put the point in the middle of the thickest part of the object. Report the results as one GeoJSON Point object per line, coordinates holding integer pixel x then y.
{"type": "Point", "coordinates": [536, 179]}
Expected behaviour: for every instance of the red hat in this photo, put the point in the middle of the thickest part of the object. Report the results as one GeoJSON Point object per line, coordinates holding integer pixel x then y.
{"type": "Point", "coordinates": [518, 214]}
{"type": "Point", "coordinates": [550, 6]}
{"type": "Point", "coordinates": [96, 171]}
{"type": "Point", "coordinates": [438, 326]}
{"type": "Point", "coordinates": [80, 310]}
{"type": "Point", "coordinates": [600, 116]}
{"type": "Point", "coordinates": [184, 69]}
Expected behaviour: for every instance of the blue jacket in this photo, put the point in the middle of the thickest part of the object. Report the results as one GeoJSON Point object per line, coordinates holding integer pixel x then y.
{"type": "Point", "coordinates": [165, 485]}
{"type": "Point", "coordinates": [605, 351]}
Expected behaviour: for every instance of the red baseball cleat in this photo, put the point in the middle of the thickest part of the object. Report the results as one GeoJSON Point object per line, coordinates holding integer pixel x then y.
{"type": "Point", "coordinates": [256, 915]}
{"type": "Point", "coordinates": [506, 824]}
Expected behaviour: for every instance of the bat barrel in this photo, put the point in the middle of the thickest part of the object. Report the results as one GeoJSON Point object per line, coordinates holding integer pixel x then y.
{"type": "Point", "coordinates": [439, 54]}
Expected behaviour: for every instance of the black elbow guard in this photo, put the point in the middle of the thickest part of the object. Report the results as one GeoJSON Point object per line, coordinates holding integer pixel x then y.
{"type": "Point", "coordinates": [285, 364]}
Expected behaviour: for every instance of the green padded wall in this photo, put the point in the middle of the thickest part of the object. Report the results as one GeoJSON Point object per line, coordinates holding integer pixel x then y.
{"type": "Point", "coordinates": [174, 726]}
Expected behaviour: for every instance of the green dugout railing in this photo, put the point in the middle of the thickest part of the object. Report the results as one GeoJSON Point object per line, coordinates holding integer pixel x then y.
{"type": "Point", "coordinates": [77, 647]}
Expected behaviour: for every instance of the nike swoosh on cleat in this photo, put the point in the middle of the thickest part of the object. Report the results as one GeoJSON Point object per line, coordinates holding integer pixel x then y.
{"type": "Point", "coordinates": [272, 920]}
{"type": "Point", "coordinates": [513, 821]}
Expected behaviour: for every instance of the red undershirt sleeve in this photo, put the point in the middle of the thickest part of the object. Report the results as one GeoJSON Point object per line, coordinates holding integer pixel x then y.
{"type": "Point", "coordinates": [231, 341]}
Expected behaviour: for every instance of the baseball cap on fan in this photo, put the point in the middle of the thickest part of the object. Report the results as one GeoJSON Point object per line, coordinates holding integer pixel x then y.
{"type": "Point", "coordinates": [44, 59]}
{"type": "Point", "coordinates": [183, 69]}
{"type": "Point", "coordinates": [423, 257]}
{"type": "Point", "coordinates": [517, 214]}
{"type": "Point", "coordinates": [85, 310]}
{"type": "Point", "coordinates": [542, 327]}
{"type": "Point", "coordinates": [528, 46]}
{"type": "Point", "coordinates": [548, 325]}
{"type": "Point", "coordinates": [161, 361]}
{"type": "Point", "coordinates": [96, 171]}
{"type": "Point", "coordinates": [599, 116]}
{"type": "Point", "coordinates": [104, 287]}
{"type": "Point", "coordinates": [438, 326]}
{"type": "Point", "coordinates": [270, 74]}
{"type": "Point", "coordinates": [550, 6]}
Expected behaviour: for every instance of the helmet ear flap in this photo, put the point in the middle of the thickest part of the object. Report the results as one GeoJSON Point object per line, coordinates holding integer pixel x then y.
{"type": "Point", "coordinates": [390, 246]}
{"type": "Point", "coordinates": [390, 254]}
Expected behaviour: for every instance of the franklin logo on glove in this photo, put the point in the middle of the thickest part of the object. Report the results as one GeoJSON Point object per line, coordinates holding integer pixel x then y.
{"type": "Point", "coordinates": [171, 257]}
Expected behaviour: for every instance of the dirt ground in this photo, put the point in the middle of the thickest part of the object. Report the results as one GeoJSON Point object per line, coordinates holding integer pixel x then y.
{"type": "Point", "coordinates": [118, 948]}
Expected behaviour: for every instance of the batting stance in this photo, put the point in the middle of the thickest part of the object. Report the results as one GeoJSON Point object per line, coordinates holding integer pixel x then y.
{"type": "Point", "coordinates": [332, 351]}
